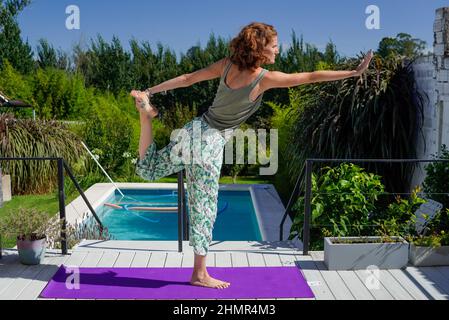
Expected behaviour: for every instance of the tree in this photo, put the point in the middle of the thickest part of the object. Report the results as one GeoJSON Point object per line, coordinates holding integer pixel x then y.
{"type": "Point", "coordinates": [12, 48]}
{"type": "Point", "coordinates": [403, 45]}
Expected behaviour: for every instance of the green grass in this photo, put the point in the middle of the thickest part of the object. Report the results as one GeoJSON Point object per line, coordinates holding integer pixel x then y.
{"type": "Point", "coordinates": [46, 203]}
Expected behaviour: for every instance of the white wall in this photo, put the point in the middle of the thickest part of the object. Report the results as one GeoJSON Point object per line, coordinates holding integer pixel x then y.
{"type": "Point", "coordinates": [432, 78]}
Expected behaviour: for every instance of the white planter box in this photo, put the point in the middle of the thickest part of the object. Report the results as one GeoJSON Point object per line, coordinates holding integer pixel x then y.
{"type": "Point", "coordinates": [428, 256]}
{"type": "Point", "coordinates": [355, 256]}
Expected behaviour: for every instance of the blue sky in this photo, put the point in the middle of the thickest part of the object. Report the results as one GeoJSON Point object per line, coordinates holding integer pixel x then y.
{"type": "Point", "coordinates": [182, 24]}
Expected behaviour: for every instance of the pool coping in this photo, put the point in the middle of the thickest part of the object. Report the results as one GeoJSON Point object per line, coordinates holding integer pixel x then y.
{"type": "Point", "coordinates": [269, 213]}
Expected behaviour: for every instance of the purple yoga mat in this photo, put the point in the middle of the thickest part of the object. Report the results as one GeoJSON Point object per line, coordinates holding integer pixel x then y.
{"type": "Point", "coordinates": [173, 283]}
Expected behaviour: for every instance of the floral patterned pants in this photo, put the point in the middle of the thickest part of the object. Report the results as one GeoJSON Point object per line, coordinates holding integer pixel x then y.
{"type": "Point", "coordinates": [202, 157]}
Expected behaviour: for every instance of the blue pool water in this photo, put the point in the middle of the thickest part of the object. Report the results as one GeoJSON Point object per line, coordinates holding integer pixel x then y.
{"type": "Point", "coordinates": [236, 219]}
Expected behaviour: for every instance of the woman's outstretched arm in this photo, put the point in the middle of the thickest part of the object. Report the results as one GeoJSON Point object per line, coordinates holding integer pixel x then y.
{"type": "Point", "coordinates": [276, 79]}
{"type": "Point", "coordinates": [186, 80]}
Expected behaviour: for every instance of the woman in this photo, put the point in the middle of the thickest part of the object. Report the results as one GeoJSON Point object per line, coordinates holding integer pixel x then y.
{"type": "Point", "coordinates": [242, 84]}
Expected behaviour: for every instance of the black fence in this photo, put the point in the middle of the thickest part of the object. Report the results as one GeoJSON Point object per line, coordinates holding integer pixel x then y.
{"type": "Point", "coordinates": [307, 171]}
{"type": "Point", "coordinates": [62, 165]}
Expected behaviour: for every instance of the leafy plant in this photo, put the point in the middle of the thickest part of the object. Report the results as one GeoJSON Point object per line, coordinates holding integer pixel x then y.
{"type": "Point", "coordinates": [342, 201]}
{"type": "Point", "coordinates": [435, 235]}
{"type": "Point", "coordinates": [28, 224]}
{"type": "Point", "coordinates": [436, 183]}
{"type": "Point", "coordinates": [40, 138]}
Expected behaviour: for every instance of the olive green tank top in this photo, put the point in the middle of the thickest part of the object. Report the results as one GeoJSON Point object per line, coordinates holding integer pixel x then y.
{"type": "Point", "coordinates": [232, 107]}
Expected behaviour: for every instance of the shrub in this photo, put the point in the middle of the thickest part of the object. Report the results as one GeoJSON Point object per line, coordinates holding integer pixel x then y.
{"type": "Point", "coordinates": [436, 183]}
{"type": "Point", "coordinates": [342, 204]}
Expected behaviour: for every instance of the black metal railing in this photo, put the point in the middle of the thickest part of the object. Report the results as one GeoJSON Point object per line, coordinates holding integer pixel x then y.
{"type": "Point", "coordinates": [308, 187]}
{"type": "Point", "coordinates": [61, 194]}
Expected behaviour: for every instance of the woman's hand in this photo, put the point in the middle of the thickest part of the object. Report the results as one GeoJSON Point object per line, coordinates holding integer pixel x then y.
{"type": "Point", "coordinates": [143, 104]}
{"type": "Point", "coordinates": [364, 64]}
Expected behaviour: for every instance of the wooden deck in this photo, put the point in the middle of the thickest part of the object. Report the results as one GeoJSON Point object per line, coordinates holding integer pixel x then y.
{"type": "Point", "coordinates": [18, 281]}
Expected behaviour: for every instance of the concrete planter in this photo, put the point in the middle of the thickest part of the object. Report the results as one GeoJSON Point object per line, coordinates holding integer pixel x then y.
{"type": "Point", "coordinates": [428, 256]}
{"type": "Point", "coordinates": [360, 255]}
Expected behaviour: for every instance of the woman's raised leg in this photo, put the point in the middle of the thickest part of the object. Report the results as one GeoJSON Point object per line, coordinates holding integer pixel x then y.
{"type": "Point", "coordinates": [153, 164]}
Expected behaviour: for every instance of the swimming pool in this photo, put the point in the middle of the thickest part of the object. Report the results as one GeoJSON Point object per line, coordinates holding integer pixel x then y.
{"type": "Point", "coordinates": [236, 220]}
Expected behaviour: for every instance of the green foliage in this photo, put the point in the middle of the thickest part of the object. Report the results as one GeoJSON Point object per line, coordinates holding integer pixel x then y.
{"type": "Point", "coordinates": [40, 138]}
{"type": "Point", "coordinates": [399, 218]}
{"type": "Point", "coordinates": [282, 120]}
{"type": "Point", "coordinates": [48, 57]}
{"type": "Point", "coordinates": [403, 44]}
{"type": "Point", "coordinates": [343, 200]}
{"type": "Point", "coordinates": [12, 48]}
{"type": "Point", "coordinates": [436, 183]}
{"type": "Point", "coordinates": [58, 95]}
{"type": "Point", "coordinates": [28, 224]}
{"type": "Point", "coordinates": [434, 240]}
{"type": "Point", "coordinates": [109, 130]}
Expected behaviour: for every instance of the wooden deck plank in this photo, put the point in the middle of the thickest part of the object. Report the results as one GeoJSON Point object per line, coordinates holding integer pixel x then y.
{"type": "Point", "coordinates": [357, 287]}
{"type": "Point", "coordinates": [124, 260]}
{"type": "Point", "coordinates": [272, 260]}
{"type": "Point", "coordinates": [439, 279]}
{"type": "Point", "coordinates": [410, 284]}
{"type": "Point", "coordinates": [314, 278]}
{"type": "Point", "coordinates": [332, 278]}
{"type": "Point", "coordinates": [210, 259]}
{"type": "Point", "coordinates": [35, 287]}
{"type": "Point", "coordinates": [255, 259]}
{"type": "Point", "coordinates": [140, 259]}
{"type": "Point", "coordinates": [239, 259]}
{"type": "Point", "coordinates": [92, 259]}
{"type": "Point", "coordinates": [157, 259]}
{"type": "Point", "coordinates": [174, 260]}
{"type": "Point", "coordinates": [373, 283]}
{"type": "Point", "coordinates": [76, 258]}
{"type": "Point", "coordinates": [393, 286]}
{"type": "Point", "coordinates": [428, 285]}
{"type": "Point", "coordinates": [19, 283]}
{"type": "Point", "coordinates": [223, 259]}
{"type": "Point", "coordinates": [187, 259]}
{"type": "Point", "coordinates": [108, 259]}
{"type": "Point", "coordinates": [8, 273]}
{"type": "Point", "coordinates": [444, 270]}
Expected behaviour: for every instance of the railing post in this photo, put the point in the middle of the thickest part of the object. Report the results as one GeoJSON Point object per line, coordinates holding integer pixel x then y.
{"type": "Point", "coordinates": [62, 205]}
{"type": "Point", "coordinates": [290, 204]}
{"type": "Point", "coordinates": [307, 208]}
{"type": "Point", "coordinates": [180, 209]}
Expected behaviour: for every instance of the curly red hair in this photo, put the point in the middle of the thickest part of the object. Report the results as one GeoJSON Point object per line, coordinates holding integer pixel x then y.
{"type": "Point", "coordinates": [247, 48]}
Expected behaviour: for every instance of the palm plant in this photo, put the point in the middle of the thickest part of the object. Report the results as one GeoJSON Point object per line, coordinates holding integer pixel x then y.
{"type": "Point", "coordinates": [28, 138]}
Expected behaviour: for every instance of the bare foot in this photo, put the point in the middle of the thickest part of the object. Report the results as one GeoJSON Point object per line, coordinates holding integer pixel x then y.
{"type": "Point", "coordinates": [208, 282]}
{"type": "Point", "coordinates": [143, 104]}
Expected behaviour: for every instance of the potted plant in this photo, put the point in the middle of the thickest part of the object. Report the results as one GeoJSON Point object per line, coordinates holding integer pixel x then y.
{"type": "Point", "coordinates": [31, 228]}
{"type": "Point", "coordinates": [353, 253]}
{"type": "Point", "coordinates": [432, 247]}
{"type": "Point", "coordinates": [388, 249]}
